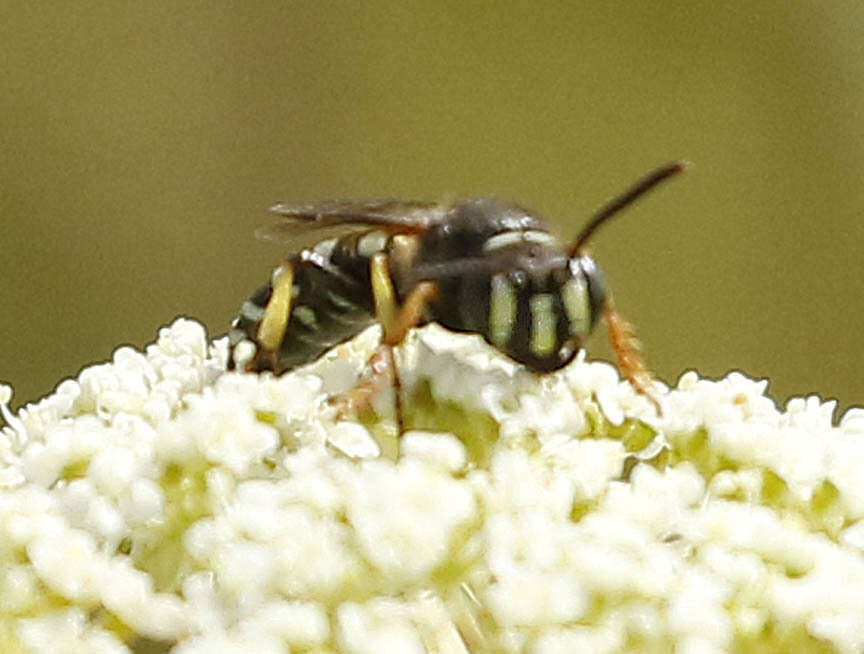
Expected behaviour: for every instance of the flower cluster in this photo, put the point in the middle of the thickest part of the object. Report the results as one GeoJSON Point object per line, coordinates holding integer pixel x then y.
{"type": "Point", "coordinates": [160, 504]}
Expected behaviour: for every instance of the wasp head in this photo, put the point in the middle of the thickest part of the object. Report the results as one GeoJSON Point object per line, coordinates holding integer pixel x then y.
{"type": "Point", "coordinates": [544, 306]}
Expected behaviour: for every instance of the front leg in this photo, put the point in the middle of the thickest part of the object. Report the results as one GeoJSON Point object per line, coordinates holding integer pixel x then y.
{"type": "Point", "coordinates": [628, 349]}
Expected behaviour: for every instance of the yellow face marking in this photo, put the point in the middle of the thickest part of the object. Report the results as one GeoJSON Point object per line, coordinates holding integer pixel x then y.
{"type": "Point", "coordinates": [386, 307]}
{"type": "Point", "coordinates": [543, 324]}
{"type": "Point", "coordinates": [502, 310]}
{"type": "Point", "coordinates": [577, 304]}
{"type": "Point", "coordinates": [271, 331]}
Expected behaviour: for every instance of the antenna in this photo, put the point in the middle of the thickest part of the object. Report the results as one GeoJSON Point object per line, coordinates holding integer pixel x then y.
{"type": "Point", "coordinates": [639, 189]}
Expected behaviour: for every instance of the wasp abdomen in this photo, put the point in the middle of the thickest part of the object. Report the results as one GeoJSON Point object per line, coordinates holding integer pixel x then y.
{"type": "Point", "coordinates": [330, 302]}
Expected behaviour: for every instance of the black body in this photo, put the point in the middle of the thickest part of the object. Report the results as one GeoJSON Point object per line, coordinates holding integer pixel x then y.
{"type": "Point", "coordinates": [498, 271]}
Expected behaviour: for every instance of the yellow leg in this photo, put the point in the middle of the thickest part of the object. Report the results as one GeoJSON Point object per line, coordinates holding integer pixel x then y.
{"type": "Point", "coordinates": [395, 322]}
{"type": "Point", "coordinates": [383, 293]}
{"type": "Point", "coordinates": [271, 331]}
{"type": "Point", "coordinates": [411, 312]}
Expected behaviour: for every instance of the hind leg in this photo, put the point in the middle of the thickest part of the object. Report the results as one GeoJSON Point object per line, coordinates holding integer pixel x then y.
{"type": "Point", "coordinates": [395, 322]}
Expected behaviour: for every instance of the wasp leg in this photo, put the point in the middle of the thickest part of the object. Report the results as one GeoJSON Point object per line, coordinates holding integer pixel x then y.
{"type": "Point", "coordinates": [271, 331]}
{"type": "Point", "coordinates": [395, 322]}
{"type": "Point", "coordinates": [411, 313]}
{"type": "Point", "coordinates": [628, 349]}
{"type": "Point", "coordinates": [379, 373]}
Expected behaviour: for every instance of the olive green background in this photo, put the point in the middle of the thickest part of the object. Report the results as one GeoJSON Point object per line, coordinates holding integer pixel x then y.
{"type": "Point", "coordinates": [143, 142]}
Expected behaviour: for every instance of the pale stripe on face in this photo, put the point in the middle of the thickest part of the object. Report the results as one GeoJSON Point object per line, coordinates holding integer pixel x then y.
{"type": "Point", "coordinates": [502, 310]}
{"type": "Point", "coordinates": [543, 324]}
{"type": "Point", "coordinates": [577, 304]}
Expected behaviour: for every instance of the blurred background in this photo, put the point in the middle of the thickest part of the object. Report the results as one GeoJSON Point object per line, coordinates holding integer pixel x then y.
{"type": "Point", "coordinates": [143, 142]}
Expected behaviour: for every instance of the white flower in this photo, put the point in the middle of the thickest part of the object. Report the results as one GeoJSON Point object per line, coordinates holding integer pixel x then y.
{"type": "Point", "coordinates": [159, 503]}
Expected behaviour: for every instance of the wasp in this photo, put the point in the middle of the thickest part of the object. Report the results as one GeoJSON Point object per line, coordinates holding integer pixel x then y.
{"type": "Point", "coordinates": [477, 265]}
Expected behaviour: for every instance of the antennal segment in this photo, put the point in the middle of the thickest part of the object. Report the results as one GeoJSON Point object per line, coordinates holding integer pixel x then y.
{"type": "Point", "coordinates": [639, 189]}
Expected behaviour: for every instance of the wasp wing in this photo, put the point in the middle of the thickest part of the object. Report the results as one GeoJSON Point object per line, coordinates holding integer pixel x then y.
{"type": "Point", "coordinates": [344, 216]}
